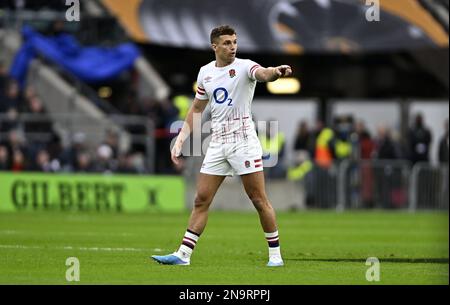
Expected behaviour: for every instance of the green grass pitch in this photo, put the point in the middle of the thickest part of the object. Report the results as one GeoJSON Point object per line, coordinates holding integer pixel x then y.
{"type": "Point", "coordinates": [319, 247]}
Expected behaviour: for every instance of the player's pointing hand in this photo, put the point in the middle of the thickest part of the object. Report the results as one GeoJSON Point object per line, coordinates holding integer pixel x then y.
{"type": "Point", "coordinates": [283, 70]}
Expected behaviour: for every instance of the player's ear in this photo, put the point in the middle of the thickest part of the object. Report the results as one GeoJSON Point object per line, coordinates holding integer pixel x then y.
{"type": "Point", "coordinates": [214, 47]}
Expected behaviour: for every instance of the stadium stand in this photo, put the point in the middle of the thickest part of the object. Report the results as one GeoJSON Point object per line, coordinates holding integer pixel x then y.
{"type": "Point", "coordinates": [59, 121]}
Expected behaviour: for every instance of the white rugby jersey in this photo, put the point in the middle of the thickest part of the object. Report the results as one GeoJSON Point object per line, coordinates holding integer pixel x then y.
{"type": "Point", "coordinates": [230, 91]}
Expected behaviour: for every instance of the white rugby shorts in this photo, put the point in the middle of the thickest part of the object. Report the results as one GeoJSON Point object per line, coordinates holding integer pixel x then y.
{"type": "Point", "coordinates": [231, 159]}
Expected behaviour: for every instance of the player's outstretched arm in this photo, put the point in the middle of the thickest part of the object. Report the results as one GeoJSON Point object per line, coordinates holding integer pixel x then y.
{"type": "Point", "coordinates": [197, 107]}
{"type": "Point", "coordinates": [271, 74]}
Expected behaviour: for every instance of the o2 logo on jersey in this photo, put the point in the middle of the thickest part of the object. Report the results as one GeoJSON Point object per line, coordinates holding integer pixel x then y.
{"type": "Point", "coordinates": [221, 96]}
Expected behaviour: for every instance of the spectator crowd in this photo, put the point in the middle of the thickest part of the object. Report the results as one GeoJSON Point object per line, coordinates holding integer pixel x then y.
{"type": "Point", "coordinates": [352, 139]}
{"type": "Point", "coordinates": [34, 145]}
{"type": "Point", "coordinates": [29, 140]}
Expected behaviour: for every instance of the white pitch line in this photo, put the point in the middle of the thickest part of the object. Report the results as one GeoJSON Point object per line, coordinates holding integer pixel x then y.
{"type": "Point", "coordinates": [19, 247]}
{"type": "Point", "coordinates": [78, 248]}
{"type": "Point", "coordinates": [13, 232]}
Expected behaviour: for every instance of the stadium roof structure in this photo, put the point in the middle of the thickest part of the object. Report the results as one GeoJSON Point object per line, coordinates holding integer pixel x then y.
{"type": "Point", "coordinates": [281, 26]}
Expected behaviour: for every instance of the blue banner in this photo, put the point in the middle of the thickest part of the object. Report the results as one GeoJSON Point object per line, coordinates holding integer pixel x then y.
{"type": "Point", "coordinates": [90, 64]}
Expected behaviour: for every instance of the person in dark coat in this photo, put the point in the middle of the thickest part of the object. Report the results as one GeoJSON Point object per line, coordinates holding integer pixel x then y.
{"type": "Point", "coordinates": [419, 139]}
{"type": "Point", "coordinates": [443, 146]}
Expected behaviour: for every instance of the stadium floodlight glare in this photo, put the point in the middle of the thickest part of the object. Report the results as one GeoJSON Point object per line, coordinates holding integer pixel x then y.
{"type": "Point", "coordinates": [105, 92]}
{"type": "Point", "coordinates": [289, 85]}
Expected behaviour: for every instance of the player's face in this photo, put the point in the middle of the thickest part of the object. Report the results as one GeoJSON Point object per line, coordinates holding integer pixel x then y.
{"type": "Point", "coordinates": [226, 47]}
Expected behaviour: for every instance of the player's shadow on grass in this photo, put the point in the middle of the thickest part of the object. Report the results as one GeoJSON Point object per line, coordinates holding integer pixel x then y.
{"type": "Point", "coordinates": [363, 260]}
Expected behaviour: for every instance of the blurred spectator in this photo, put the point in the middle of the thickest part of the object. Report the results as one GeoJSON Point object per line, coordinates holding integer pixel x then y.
{"type": "Point", "coordinates": [366, 149]}
{"type": "Point", "coordinates": [5, 162]}
{"type": "Point", "coordinates": [153, 110]}
{"type": "Point", "coordinates": [104, 161]}
{"type": "Point", "coordinates": [341, 143]}
{"type": "Point", "coordinates": [385, 145]}
{"type": "Point", "coordinates": [322, 173]}
{"type": "Point", "coordinates": [170, 112]}
{"type": "Point", "coordinates": [170, 115]}
{"type": "Point", "coordinates": [128, 104]}
{"type": "Point", "coordinates": [83, 162]}
{"type": "Point", "coordinates": [54, 148]}
{"type": "Point", "coordinates": [126, 164]}
{"type": "Point", "coordinates": [303, 150]}
{"type": "Point", "coordinates": [318, 126]}
{"type": "Point", "coordinates": [42, 162]}
{"type": "Point", "coordinates": [324, 153]}
{"type": "Point", "coordinates": [365, 141]}
{"type": "Point", "coordinates": [182, 102]}
{"type": "Point", "coordinates": [443, 145]}
{"type": "Point", "coordinates": [18, 161]}
{"type": "Point", "coordinates": [29, 93]}
{"type": "Point", "coordinates": [389, 191]}
{"type": "Point", "coordinates": [303, 140]}
{"type": "Point", "coordinates": [138, 160]}
{"type": "Point", "coordinates": [112, 140]}
{"type": "Point", "coordinates": [69, 156]}
{"type": "Point", "coordinates": [16, 141]}
{"type": "Point", "coordinates": [17, 150]}
{"type": "Point", "coordinates": [419, 140]}
{"type": "Point", "coordinates": [163, 114]}
{"type": "Point", "coordinates": [12, 98]}
{"type": "Point", "coordinates": [42, 122]}
{"type": "Point", "coordinates": [314, 133]}
{"type": "Point", "coordinates": [10, 120]}
{"type": "Point", "coordinates": [3, 78]}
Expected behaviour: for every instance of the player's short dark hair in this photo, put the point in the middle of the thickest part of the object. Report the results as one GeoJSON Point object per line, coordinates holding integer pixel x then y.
{"type": "Point", "coordinates": [221, 30]}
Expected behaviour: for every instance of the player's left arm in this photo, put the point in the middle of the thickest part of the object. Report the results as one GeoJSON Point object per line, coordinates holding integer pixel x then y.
{"type": "Point", "coordinates": [271, 74]}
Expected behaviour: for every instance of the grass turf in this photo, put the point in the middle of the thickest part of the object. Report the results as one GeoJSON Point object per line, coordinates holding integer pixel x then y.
{"type": "Point", "coordinates": [319, 247]}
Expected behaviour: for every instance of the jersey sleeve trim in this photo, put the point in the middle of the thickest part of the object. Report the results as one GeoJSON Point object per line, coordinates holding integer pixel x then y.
{"type": "Point", "coordinates": [253, 70]}
{"type": "Point", "coordinates": [201, 94]}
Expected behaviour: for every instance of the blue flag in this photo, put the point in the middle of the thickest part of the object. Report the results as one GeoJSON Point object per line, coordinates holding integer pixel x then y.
{"type": "Point", "coordinates": [89, 64]}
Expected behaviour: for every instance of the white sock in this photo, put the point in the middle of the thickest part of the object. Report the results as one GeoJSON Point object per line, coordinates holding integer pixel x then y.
{"type": "Point", "coordinates": [188, 244]}
{"type": "Point", "coordinates": [274, 244]}
{"type": "Point", "coordinates": [274, 251]}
